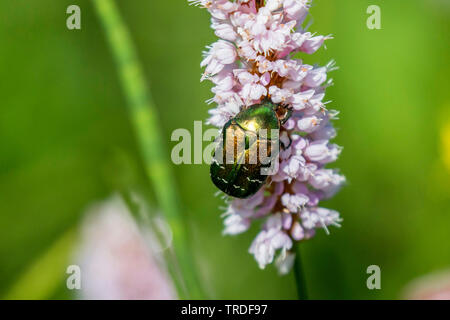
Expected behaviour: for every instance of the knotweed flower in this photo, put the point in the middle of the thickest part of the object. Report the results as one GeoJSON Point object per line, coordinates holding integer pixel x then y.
{"type": "Point", "coordinates": [252, 61]}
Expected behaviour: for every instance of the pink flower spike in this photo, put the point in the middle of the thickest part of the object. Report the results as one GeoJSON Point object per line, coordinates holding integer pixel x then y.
{"type": "Point", "coordinates": [253, 61]}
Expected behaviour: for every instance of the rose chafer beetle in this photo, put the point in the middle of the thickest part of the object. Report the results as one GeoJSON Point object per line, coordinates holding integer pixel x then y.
{"type": "Point", "coordinates": [246, 148]}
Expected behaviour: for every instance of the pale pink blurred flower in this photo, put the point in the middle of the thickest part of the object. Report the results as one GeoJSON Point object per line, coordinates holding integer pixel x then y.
{"type": "Point", "coordinates": [116, 258]}
{"type": "Point", "coordinates": [434, 286]}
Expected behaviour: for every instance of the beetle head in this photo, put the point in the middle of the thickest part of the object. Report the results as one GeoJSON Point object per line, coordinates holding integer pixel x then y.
{"type": "Point", "coordinates": [283, 113]}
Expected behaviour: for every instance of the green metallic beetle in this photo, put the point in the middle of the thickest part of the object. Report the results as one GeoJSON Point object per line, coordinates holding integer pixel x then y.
{"type": "Point", "coordinates": [246, 147]}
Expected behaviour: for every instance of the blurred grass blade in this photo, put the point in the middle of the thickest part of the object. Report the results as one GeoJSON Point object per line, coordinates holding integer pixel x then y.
{"type": "Point", "coordinates": [299, 275]}
{"type": "Point", "coordinates": [45, 275]}
{"type": "Point", "coordinates": [143, 116]}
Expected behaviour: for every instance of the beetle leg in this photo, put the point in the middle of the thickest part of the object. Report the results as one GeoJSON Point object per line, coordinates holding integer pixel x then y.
{"type": "Point", "coordinates": [286, 116]}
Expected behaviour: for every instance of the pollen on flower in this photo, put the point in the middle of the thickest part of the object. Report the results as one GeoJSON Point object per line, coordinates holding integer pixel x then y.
{"type": "Point", "coordinates": [252, 61]}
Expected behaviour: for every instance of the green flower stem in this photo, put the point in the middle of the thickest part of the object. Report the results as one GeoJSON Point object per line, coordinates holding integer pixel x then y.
{"type": "Point", "coordinates": [299, 276]}
{"type": "Point", "coordinates": [144, 119]}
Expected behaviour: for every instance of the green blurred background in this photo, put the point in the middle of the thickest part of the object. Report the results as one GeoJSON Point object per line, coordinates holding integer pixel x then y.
{"type": "Point", "coordinates": [66, 141]}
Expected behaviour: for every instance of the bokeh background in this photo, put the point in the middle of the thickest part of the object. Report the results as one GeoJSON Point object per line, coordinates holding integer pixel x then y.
{"type": "Point", "coordinates": [66, 142]}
